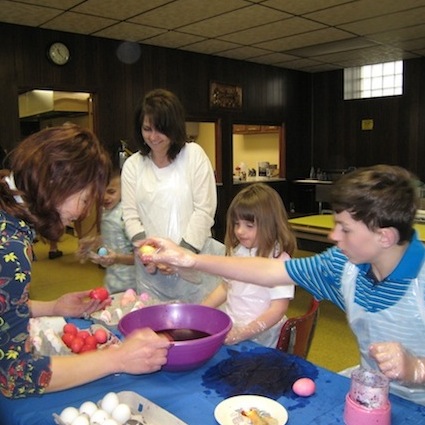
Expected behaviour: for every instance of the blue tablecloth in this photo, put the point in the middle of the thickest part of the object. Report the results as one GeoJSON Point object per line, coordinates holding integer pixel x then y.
{"type": "Point", "coordinates": [185, 395]}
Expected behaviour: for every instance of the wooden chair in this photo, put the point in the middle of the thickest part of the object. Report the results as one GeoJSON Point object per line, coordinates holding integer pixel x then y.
{"type": "Point", "coordinates": [297, 332]}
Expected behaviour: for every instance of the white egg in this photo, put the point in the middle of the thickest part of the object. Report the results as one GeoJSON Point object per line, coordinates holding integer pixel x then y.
{"type": "Point", "coordinates": [99, 417]}
{"type": "Point", "coordinates": [110, 422]}
{"type": "Point", "coordinates": [109, 402]}
{"type": "Point", "coordinates": [118, 313]}
{"type": "Point", "coordinates": [88, 407]}
{"type": "Point", "coordinates": [81, 420]}
{"type": "Point", "coordinates": [121, 413]}
{"type": "Point", "coordinates": [69, 414]}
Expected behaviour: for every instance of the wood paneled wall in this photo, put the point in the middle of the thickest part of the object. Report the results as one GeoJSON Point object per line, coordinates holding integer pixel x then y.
{"type": "Point", "coordinates": [398, 135]}
{"type": "Point", "coordinates": [270, 95]}
{"type": "Point", "coordinates": [321, 129]}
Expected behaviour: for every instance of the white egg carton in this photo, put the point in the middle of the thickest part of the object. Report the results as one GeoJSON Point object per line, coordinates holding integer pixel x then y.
{"type": "Point", "coordinates": [122, 303]}
{"type": "Point", "coordinates": [143, 411]}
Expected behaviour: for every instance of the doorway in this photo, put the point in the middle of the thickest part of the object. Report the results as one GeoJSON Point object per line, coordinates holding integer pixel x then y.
{"type": "Point", "coordinates": [39, 109]}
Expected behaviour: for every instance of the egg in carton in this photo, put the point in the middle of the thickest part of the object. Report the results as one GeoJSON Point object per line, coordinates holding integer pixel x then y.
{"type": "Point", "coordinates": [112, 338]}
{"type": "Point", "coordinates": [122, 408]}
{"type": "Point", "coordinates": [122, 303]}
{"type": "Point", "coordinates": [46, 336]}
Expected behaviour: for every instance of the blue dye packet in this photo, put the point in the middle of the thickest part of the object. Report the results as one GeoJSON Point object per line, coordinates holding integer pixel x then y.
{"type": "Point", "coordinates": [262, 371]}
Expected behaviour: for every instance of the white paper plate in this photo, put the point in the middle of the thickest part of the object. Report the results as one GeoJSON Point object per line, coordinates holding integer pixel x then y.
{"type": "Point", "coordinates": [228, 412]}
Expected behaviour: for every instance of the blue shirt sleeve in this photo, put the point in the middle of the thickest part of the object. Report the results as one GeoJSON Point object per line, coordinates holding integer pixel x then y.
{"type": "Point", "coordinates": [320, 275]}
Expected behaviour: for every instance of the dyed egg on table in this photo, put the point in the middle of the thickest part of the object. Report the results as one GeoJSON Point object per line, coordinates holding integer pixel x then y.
{"type": "Point", "coordinates": [304, 387]}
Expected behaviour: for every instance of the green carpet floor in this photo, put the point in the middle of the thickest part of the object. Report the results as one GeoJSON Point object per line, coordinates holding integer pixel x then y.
{"type": "Point", "coordinates": [333, 347]}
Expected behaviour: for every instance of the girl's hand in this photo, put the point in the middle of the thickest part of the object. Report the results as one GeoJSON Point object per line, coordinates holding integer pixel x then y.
{"type": "Point", "coordinates": [241, 333]}
{"type": "Point", "coordinates": [78, 304]}
{"type": "Point", "coordinates": [105, 260]}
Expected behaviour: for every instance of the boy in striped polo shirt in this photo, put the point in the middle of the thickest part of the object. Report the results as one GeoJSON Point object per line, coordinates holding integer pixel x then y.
{"type": "Point", "coordinates": [375, 272]}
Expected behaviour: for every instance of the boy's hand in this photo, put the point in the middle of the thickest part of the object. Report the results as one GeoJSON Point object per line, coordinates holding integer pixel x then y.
{"type": "Point", "coordinates": [397, 363]}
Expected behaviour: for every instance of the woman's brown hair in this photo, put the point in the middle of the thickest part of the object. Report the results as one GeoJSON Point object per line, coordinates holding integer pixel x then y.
{"type": "Point", "coordinates": [259, 203]}
{"type": "Point", "coordinates": [50, 166]}
{"type": "Point", "coordinates": [166, 114]}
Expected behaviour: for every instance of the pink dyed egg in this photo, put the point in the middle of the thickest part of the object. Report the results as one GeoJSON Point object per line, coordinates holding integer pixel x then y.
{"type": "Point", "coordinates": [304, 387]}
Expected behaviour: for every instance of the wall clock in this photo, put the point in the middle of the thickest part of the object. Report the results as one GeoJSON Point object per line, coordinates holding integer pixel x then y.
{"type": "Point", "coordinates": [59, 53]}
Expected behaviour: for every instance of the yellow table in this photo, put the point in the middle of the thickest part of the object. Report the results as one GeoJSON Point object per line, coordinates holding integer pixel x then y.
{"type": "Point", "coordinates": [317, 227]}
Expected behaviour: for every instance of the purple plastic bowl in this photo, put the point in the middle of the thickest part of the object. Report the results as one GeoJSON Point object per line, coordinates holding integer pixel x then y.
{"type": "Point", "coordinates": [183, 355]}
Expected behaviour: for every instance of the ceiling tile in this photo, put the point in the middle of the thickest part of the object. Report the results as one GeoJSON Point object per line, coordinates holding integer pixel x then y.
{"type": "Point", "coordinates": [117, 9]}
{"type": "Point", "coordinates": [210, 46]}
{"type": "Point", "coordinates": [412, 45]}
{"type": "Point", "coordinates": [299, 7]}
{"type": "Point", "coordinates": [387, 22]}
{"type": "Point", "coordinates": [173, 39]}
{"type": "Point", "coordinates": [78, 23]}
{"type": "Point", "coordinates": [178, 14]}
{"type": "Point", "coordinates": [365, 56]}
{"type": "Point", "coordinates": [128, 31]}
{"type": "Point", "coordinates": [307, 39]}
{"type": "Point", "coordinates": [242, 53]}
{"type": "Point", "coordinates": [62, 5]}
{"type": "Point", "coordinates": [272, 31]}
{"type": "Point", "coordinates": [272, 58]}
{"type": "Point", "coordinates": [295, 64]}
{"type": "Point", "coordinates": [333, 47]}
{"type": "Point", "coordinates": [396, 36]}
{"type": "Point", "coordinates": [362, 9]}
{"type": "Point", "coordinates": [25, 14]}
{"type": "Point", "coordinates": [234, 21]}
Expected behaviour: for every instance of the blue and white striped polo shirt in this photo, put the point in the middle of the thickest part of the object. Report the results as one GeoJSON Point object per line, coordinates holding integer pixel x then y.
{"type": "Point", "coordinates": [321, 276]}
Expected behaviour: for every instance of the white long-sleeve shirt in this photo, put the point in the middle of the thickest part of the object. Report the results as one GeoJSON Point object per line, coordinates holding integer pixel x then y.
{"type": "Point", "coordinates": [178, 201]}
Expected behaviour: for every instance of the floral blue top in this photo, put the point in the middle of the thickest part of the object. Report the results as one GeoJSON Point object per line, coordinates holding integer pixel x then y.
{"type": "Point", "coordinates": [22, 373]}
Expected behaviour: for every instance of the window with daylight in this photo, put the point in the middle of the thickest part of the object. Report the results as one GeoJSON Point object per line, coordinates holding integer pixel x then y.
{"type": "Point", "coordinates": [379, 80]}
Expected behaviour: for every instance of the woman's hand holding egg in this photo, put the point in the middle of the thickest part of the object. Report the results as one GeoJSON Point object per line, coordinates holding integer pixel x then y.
{"type": "Point", "coordinates": [78, 304]}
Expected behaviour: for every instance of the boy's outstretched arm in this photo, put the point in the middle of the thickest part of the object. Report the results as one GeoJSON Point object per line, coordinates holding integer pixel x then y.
{"type": "Point", "coordinates": [259, 270]}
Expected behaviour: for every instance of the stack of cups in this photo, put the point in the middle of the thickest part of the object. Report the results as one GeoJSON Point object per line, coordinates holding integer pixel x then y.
{"type": "Point", "coordinates": [367, 402]}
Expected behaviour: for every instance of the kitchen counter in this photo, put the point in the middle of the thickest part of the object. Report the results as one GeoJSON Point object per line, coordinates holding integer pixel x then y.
{"type": "Point", "coordinates": [258, 180]}
{"type": "Point", "coordinates": [317, 227]}
{"type": "Point", "coordinates": [312, 181]}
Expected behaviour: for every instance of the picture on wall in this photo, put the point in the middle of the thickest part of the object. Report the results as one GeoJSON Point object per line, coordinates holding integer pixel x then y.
{"type": "Point", "coordinates": [225, 96]}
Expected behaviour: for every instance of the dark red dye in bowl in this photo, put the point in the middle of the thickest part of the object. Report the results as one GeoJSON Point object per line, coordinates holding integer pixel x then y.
{"type": "Point", "coordinates": [190, 353]}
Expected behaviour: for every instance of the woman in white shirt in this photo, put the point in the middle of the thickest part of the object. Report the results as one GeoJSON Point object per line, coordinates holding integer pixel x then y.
{"type": "Point", "coordinates": [169, 190]}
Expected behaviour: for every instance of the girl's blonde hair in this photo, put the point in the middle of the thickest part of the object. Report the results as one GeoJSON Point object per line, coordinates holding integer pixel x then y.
{"type": "Point", "coordinates": [261, 204]}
